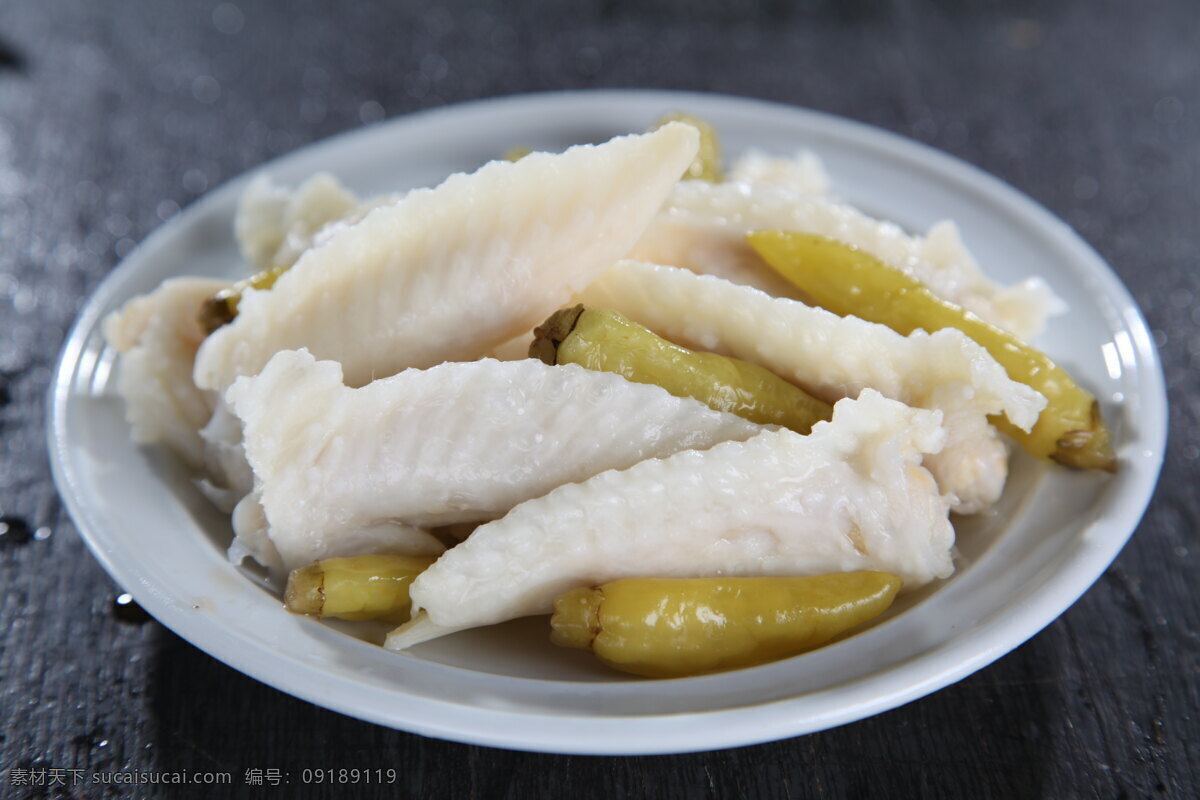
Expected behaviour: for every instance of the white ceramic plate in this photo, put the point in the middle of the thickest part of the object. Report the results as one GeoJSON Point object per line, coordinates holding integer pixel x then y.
{"type": "Point", "coordinates": [1053, 534]}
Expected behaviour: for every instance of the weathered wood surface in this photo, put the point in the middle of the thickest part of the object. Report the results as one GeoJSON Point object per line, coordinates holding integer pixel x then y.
{"type": "Point", "coordinates": [115, 114]}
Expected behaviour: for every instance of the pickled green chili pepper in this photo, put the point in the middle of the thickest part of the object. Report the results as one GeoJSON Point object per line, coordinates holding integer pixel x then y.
{"type": "Point", "coordinates": [222, 307]}
{"type": "Point", "coordinates": [675, 627]}
{"type": "Point", "coordinates": [603, 340]}
{"type": "Point", "coordinates": [357, 588]}
{"type": "Point", "coordinates": [516, 153]}
{"type": "Point", "coordinates": [847, 281]}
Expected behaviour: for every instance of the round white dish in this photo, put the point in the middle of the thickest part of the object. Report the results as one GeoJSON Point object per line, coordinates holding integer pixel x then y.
{"type": "Point", "coordinates": [1051, 537]}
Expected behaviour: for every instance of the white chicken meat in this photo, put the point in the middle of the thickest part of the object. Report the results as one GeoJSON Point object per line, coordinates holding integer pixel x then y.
{"type": "Point", "coordinates": [834, 357]}
{"type": "Point", "coordinates": [852, 495]}
{"type": "Point", "coordinates": [802, 173]}
{"type": "Point", "coordinates": [446, 274]}
{"type": "Point", "coordinates": [458, 442]}
{"type": "Point", "coordinates": [703, 228]}
{"type": "Point", "coordinates": [157, 336]}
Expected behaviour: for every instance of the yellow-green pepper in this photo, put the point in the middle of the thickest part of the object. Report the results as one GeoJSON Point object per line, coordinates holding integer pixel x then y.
{"type": "Point", "coordinates": [356, 588]}
{"type": "Point", "coordinates": [605, 341]}
{"type": "Point", "coordinates": [676, 627]}
{"type": "Point", "coordinates": [848, 281]}
{"type": "Point", "coordinates": [222, 307]}
{"type": "Point", "coordinates": [516, 153]}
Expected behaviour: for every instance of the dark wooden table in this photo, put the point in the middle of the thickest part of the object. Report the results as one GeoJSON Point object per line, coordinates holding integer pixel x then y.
{"type": "Point", "coordinates": [113, 115]}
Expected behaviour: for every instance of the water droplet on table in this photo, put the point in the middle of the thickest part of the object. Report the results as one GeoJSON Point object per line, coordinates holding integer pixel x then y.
{"type": "Point", "coordinates": [14, 531]}
{"type": "Point", "coordinates": [126, 609]}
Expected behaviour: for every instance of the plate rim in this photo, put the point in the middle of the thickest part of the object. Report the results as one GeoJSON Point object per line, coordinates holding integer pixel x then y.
{"type": "Point", "coordinates": [662, 733]}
